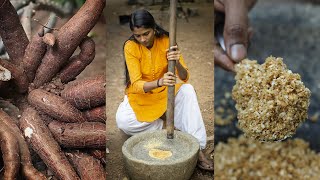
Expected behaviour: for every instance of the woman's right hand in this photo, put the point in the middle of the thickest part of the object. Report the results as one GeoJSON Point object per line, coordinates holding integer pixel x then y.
{"type": "Point", "coordinates": [169, 79]}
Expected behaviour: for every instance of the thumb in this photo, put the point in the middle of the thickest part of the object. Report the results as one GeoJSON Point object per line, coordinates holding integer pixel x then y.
{"type": "Point", "coordinates": [236, 29]}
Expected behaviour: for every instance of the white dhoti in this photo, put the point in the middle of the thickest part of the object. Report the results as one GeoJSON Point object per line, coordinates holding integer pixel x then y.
{"type": "Point", "coordinates": [187, 116]}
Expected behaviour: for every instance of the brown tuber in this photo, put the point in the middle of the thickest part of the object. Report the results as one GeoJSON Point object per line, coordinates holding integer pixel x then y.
{"type": "Point", "coordinates": [68, 38]}
{"type": "Point", "coordinates": [54, 106]}
{"type": "Point", "coordinates": [11, 32]}
{"type": "Point", "coordinates": [99, 154]}
{"type": "Point", "coordinates": [97, 114]}
{"type": "Point", "coordinates": [33, 55]}
{"type": "Point", "coordinates": [79, 135]}
{"type": "Point", "coordinates": [27, 168]}
{"type": "Point", "coordinates": [78, 62]}
{"type": "Point", "coordinates": [82, 95]}
{"type": "Point", "coordinates": [42, 142]}
{"type": "Point", "coordinates": [87, 166]}
{"type": "Point", "coordinates": [10, 151]}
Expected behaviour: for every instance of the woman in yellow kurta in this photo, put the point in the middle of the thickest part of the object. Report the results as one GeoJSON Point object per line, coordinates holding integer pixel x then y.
{"type": "Point", "coordinates": [145, 102]}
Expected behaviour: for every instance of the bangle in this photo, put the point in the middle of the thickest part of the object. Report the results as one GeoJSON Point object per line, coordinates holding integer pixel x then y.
{"type": "Point", "coordinates": [158, 83]}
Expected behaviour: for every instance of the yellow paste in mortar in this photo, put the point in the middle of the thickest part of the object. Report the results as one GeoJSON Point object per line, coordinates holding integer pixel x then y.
{"type": "Point", "coordinates": [159, 154]}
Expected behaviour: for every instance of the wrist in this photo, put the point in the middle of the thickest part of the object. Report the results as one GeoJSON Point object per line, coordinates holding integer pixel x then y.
{"type": "Point", "coordinates": [158, 82]}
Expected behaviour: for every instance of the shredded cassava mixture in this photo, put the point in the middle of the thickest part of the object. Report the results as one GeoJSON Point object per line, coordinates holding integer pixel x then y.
{"type": "Point", "coordinates": [246, 158]}
{"type": "Point", "coordinates": [271, 100]}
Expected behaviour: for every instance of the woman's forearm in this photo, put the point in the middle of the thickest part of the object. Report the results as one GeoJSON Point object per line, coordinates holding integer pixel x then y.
{"type": "Point", "coordinates": [167, 80]}
{"type": "Point", "coordinates": [148, 86]}
{"type": "Point", "coordinates": [182, 72]}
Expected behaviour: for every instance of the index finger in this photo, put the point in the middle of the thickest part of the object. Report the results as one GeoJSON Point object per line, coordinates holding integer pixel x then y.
{"type": "Point", "coordinates": [170, 73]}
{"type": "Point", "coordinates": [174, 47]}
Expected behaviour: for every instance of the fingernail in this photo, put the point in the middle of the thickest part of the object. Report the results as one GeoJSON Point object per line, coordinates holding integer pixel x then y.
{"type": "Point", "coordinates": [238, 52]}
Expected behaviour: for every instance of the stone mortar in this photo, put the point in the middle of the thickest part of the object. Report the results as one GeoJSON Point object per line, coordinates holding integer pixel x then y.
{"type": "Point", "coordinates": [179, 166]}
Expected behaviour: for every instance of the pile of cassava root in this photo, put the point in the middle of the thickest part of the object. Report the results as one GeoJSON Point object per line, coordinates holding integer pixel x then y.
{"type": "Point", "coordinates": [271, 100]}
{"type": "Point", "coordinates": [62, 121]}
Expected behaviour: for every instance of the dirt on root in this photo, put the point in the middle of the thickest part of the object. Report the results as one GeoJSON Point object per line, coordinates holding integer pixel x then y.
{"type": "Point", "coordinates": [195, 39]}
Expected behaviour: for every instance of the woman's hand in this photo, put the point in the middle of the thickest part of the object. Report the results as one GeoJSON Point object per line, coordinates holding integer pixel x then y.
{"type": "Point", "coordinates": [169, 79]}
{"type": "Point", "coordinates": [173, 55]}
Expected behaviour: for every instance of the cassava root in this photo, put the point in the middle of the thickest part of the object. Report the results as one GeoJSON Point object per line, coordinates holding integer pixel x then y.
{"type": "Point", "coordinates": [35, 68]}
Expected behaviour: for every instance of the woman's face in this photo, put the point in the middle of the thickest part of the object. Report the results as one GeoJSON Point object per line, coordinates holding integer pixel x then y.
{"type": "Point", "coordinates": [144, 36]}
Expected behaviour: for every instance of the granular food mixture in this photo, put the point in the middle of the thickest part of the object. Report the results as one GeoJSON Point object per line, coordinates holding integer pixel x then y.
{"type": "Point", "coordinates": [160, 154]}
{"type": "Point", "coordinates": [271, 100]}
{"type": "Point", "coordinates": [250, 159]}
{"type": "Point", "coordinates": [153, 143]}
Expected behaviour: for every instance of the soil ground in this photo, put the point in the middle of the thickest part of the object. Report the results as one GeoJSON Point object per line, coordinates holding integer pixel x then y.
{"type": "Point", "coordinates": [195, 42]}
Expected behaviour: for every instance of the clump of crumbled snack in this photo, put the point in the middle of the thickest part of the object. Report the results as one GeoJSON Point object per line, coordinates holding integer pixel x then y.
{"type": "Point", "coordinates": [271, 100]}
{"type": "Point", "coordinates": [250, 159]}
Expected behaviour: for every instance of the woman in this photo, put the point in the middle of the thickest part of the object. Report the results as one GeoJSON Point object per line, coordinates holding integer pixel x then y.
{"type": "Point", "coordinates": [145, 101]}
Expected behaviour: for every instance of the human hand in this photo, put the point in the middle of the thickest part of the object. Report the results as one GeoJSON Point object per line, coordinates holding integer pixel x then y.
{"type": "Point", "coordinates": [173, 55]}
{"type": "Point", "coordinates": [169, 79]}
{"type": "Point", "coordinates": [233, 14]}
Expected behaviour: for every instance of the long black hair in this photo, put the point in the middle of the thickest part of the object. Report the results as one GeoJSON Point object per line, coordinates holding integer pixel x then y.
{"type": "Point", "coordinates": [142, 19]}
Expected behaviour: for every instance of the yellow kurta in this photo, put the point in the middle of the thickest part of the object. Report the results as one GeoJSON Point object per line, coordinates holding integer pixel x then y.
{"type": "Point", "coordinates": [145, 65]}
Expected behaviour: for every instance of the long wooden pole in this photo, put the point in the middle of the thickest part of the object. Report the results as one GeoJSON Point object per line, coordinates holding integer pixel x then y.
{"type": "Point", "coordinates": [171, 68]}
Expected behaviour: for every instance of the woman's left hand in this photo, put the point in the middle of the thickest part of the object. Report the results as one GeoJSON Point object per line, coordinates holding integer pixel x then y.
{"type": "Point", "coordinates": [173, 55]}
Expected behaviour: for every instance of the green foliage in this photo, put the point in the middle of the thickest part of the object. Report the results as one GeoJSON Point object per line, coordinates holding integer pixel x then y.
{"type": "Point", "coordinates": [77, 3]}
